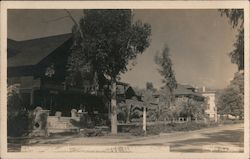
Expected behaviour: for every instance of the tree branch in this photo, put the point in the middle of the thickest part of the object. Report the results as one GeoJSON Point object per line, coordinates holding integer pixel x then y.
{"type": "Point", "coordinates": [74, 21]}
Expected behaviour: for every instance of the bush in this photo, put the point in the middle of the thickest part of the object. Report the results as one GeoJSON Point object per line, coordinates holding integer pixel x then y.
{"type": "Point", "coordinates": [92, 132]}
{"type": "Point", "coordinates": [231, 121]}
{"type": "Point", "coordinates": [85, 122]}
{"type": "Point", "coordinates": [154, 130]}
{"type": "Point", "coordinates": [173, 127]}
{"type": "Point", "coordinates": [122, 116]}
{"type": "Point", "coordinates": [158, 128]}
{"type": "Point", "coordinates": [18, 123]}
{"type": "Point", "coordinates": [137, 131]}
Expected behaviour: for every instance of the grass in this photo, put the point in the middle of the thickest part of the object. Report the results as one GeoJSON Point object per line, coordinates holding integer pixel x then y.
{"type": "Point", "coordinates": [157, 128]}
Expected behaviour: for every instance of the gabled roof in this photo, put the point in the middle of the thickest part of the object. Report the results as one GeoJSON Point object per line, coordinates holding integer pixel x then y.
{"type": "Point", "coordinates": [185, 90]}
{"type": "Point", "coordinates": [13, 47]}
{"type": "Point", "coordinates": [31, 52]}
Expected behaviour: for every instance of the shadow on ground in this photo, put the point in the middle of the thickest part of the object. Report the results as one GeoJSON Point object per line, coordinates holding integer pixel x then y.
{"type": "Point", "coordinates": [227, 137]}
{"type": "Point", "coordinates": [183, 144]}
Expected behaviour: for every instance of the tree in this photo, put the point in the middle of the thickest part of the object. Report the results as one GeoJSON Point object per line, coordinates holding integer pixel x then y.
{"type": "Point", "coordinates": [236, 19]}
{"type": "Point", "coordinates": [150, 86]}
{"type": "Point", "coordinates": [231, 99]}
{"type": "Point", "coordinates": [165, 63]}
{"type": "Point", "coordinates": [165, 69]}
{"type": "Point", "coordinates": [238, 82]}
{"type": "Point", "coordinates": [108, 40]}
{"type": "Point", "coordinates": [189, 107]}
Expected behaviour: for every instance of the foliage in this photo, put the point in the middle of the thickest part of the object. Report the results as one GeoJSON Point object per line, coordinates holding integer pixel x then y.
{"type": "Point", "coordinates": [107, 39]}
{"type": "Point", "coordinates": [157, 128]}
{"type": "Point", "coordinates": [227, 121]}
{"type": "Point", "coordinates": [138, 131]}
{"type": "Point", "coordinates": [231, 100]}
{"type": "Point", "coordinates": [166, 93]}
{"type": "Point", "coordinates": [174, 127]}
{"type": "Point", "coordinates": [122, 112]}
{"type": "Point", "coordinates": [236, 19]}
{"type": "Point", "coordinates": [136, 112]}
{"type": "Point", "coordinates": [166, 99]}
{"type": "Point", "coordinates": [14, 100]}
{"type": "Point", "coordinates": [150, 86]}
{"type": "Point", "coordinates": [18, 123]}
{"type": "Point", "coordinates": [150, 102]}
{"type": "Point", "coordinates": [92, 120]}
{"type": "Point", "coordinates": [166, 70]}
{"type": "Point", "coordinates": [18, 119]}
{"type": "Point", "coordinates": [188, 107]}
{"type": "Point", "coordinates": [238, 82]}
{"type": "Point", "coordinates": [110, 39]}
{"type": "Point", "coordinates": [91, 132]}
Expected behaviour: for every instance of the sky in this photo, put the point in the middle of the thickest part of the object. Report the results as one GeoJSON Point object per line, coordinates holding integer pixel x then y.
{"type": "Point", "coordinates": [199, 43]}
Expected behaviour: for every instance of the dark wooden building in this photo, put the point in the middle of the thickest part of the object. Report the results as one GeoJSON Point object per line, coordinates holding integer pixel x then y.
{"type": "Point", "coordinates": [39, 67]}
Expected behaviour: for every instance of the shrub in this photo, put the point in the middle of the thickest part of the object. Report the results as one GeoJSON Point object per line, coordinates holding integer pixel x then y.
{"type": "Point", "coordinates": [85, 122]}
{"type": "Point", "coordinates": [137, 131]}
{"type": "Point", "coordinates": [154, 129]}
{"type": "Point", "coordinates": [231, 121]}
{"type": "Point", "coordinates": [122, 116]}
{"type": "Point", "coordinates": [173, 127]}
{"type": "Point", "coordinates": [18, 123]}
{"type": "Point", "coordinates": [92, 132]}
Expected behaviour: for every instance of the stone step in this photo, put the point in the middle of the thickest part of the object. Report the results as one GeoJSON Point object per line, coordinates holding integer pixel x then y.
{"type": "Point", "coordinates": [65, 119]}
{"type": "Point", "coordinates": [64, 130]}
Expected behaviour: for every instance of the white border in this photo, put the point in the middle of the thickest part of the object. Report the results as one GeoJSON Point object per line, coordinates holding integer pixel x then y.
{"type": "Point", "coordinates": [108, 5]}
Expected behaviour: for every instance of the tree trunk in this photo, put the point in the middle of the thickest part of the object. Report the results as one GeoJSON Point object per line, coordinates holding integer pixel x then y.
{"type": "Point", "coordinates": [113, 107]}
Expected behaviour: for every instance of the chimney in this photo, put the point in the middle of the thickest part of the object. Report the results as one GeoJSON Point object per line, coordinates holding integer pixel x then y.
{"type": "Point", "coordinates": [203, 89]}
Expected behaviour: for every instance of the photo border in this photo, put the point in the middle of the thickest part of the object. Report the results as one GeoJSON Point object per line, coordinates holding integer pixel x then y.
{"type": "Point", "coordinates": [5, 5]}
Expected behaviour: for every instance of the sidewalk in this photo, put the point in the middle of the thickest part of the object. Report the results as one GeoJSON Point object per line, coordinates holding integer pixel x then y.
{"type": "Point", "coordinates": [221, 138]}
{"type": "Point", "coordinates": [125, 138]}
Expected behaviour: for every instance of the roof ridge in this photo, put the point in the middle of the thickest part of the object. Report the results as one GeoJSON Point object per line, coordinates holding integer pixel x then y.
{"type": "Point", "coordinates": [36, 49]}
{"type": "Point", "coordinates": [44, 37]}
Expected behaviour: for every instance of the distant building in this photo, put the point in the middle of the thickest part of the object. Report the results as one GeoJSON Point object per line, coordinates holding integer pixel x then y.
{"type": "Point", "coordinates": [182, 91]}
{"type": "Point", "coordinates": [211, 106]}
{"type": "Point", "coordinates": [187, 91]}
{"type": "Point", "coordinates": [203, 94]}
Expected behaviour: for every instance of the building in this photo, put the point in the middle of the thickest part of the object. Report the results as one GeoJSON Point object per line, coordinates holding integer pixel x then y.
{"type": "Point", "coordinates": [211, 106]}
{"type": "Point", "coordinates": [39, 67]}
{"type": "Point", "coordinates": [192, 101]}
{"type": "Point", "coordinates": [187, 91]}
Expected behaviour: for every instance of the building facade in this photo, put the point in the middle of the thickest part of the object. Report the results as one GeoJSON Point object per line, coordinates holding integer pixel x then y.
{"type": "Point", "coordinates": [39, 68]}
{"type": "Point", "coordinates": [211, 106]}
